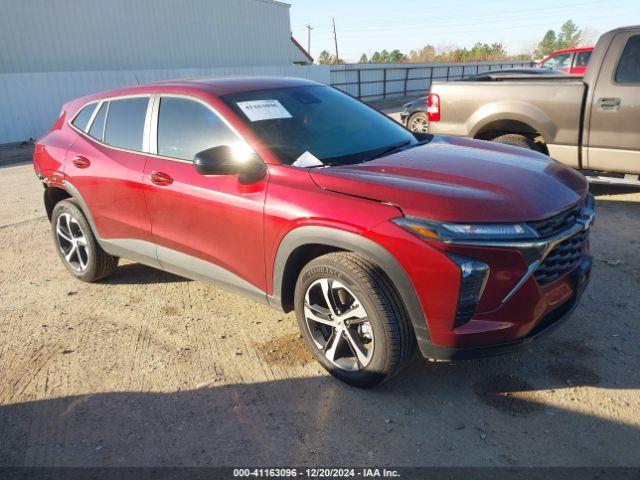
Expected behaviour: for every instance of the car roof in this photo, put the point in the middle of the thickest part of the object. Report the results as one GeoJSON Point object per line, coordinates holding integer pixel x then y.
{"type": "Point", "coordinates": [216, 86]}
{"type": "Point", "coordinates": [569, 50]}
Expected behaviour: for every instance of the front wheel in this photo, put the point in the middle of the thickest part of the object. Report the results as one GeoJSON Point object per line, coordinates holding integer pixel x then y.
{"type": "Point", "coordinates": [352, 319]}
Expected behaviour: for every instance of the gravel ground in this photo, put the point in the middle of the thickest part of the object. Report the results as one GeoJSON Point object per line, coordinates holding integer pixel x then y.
{"type": "Point", "coordinates": [147, 368]}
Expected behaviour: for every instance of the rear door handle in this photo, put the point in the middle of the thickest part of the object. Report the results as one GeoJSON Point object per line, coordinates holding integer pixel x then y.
{"type": "Point", "coordinates": [609, 103]}
{"type": "Point", "coordinates": [160, 179]}
{"type": "Point", "coordinates": [81, 162]}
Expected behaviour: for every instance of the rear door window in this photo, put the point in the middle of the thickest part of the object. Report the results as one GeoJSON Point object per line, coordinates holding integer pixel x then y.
{"type": "Point", "coordinates": [628, 70]}
{"type": "Point", "coordinates": [82, 118]}
{"type": "Point", "coordinates": [97, 127]}
{"type": "Point", "coordinates": [125, 123]}
{"type": "Point", "coordinates": [186, 127]}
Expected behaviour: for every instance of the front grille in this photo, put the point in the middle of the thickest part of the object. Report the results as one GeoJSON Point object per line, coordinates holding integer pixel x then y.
{"type": "Point", "coordinates": [564, 257]}
{"type": "Point", "coordinates": [557, 223]}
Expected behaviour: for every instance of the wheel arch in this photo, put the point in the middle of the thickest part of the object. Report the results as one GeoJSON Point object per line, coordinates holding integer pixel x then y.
{"type": "Point", "coordinates": [53, 196]}
{"type": "Point", "coordinates": [316, 240]}
{"type": "Point", "coordinates": [511, 117]}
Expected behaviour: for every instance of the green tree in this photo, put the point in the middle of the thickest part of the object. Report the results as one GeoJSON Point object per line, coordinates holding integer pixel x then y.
{"type": "Point", "coordinates": [425, 54]}
{"type": "Point", "coordinates": [384, 56]}
{"type": "Point", "coordinates": [569, 36]}
{"type": "Point", "coordinates": [363, 58]}
{"type": "Point", "coordinates": [547, 45]}
{"type": "Point", "coordinates": [375, 58]}
{"type": "Point", "coordinates": [396, 56]}
{"type": "Point", "coordinates": [324, 58]}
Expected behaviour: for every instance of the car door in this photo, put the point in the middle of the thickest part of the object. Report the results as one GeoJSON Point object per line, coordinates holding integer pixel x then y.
{"type": "Point", "coordinates": [205, 227]}
{"type": "Point", "coordinates": [613, 137]}
{"type": "Point", "coordinates": [580, 61]}
{"type": "Point", "coordinates": [105, 170]}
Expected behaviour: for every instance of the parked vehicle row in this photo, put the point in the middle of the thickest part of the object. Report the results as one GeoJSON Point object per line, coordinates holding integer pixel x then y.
{"type": "Point", "coordinates": [305, 199]}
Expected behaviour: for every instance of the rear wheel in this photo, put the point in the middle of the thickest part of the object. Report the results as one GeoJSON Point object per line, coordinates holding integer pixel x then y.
{"type": "Point", "coordinates": [418, 122]}
{"type": "Point", "coordinates": [77, 247]}
{"type": "Point", "coordinates": [352, 320]}
{"type": "Point", "coordinates": [516, 140]}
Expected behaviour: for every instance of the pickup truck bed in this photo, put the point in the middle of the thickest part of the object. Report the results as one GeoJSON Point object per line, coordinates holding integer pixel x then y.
{"type": "Point", "coordinates": [552, 109]}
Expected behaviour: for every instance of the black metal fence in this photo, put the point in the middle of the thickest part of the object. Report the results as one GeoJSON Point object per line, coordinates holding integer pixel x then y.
{"type": "Point", "coordinates": [373, 81]}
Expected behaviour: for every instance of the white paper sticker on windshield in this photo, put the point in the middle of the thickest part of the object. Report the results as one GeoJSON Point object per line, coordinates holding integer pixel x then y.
{"type": "Point", "coordinates": [257, 110]}
{"type": "Point", "coordinates": [306, 160]}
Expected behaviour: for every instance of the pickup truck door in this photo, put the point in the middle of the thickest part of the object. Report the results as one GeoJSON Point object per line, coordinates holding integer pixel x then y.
{"type": "Point", "coordinates": [612, 138]}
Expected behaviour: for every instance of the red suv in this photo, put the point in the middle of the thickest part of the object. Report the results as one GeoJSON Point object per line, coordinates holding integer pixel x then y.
{"type": "Point", "coordinates": [569, 60]}
{"type": "Point", "coordinates": [305, 199]}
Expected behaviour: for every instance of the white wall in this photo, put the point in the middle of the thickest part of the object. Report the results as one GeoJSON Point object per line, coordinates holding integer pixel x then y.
{"type": "Point", "coordinates": [31, 102]}
{"type": "Point", "coordinates": [90, 35]}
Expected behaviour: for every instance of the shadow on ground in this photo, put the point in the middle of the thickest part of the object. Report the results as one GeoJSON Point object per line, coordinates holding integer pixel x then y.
{"type": "Point", "coordinates": [487, 412]}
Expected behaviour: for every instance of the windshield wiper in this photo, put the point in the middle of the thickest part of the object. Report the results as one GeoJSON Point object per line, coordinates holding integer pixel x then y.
{"type": "Point", "coordinates": [389, 150]}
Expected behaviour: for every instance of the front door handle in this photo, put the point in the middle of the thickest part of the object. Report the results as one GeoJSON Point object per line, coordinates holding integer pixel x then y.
{"type": "Point", "coordinates": [81, 162]}
{"type": "Point", "coordinates": [609, 103]}
{"type": "Point", "coordinates": [160, 179]}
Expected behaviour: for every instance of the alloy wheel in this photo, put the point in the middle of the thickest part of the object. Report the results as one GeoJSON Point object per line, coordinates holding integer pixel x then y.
{"type": "Point", "coordinates": [338, 324]}
{"type": "Point", "coordinates": [72, 242]}
{"type": "Point", "coordinates": [419, 124]}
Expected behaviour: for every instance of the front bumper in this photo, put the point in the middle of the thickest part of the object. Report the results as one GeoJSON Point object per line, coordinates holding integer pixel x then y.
{"type": "Point", "coordinates": [521, 299]}
{"type": "Point", "coordinates": [579, 279]}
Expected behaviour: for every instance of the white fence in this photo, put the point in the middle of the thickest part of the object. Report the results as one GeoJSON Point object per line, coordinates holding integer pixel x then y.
{"type": "Point", "coordinates": [31, 102]}
{"type": "Point", "coordinates": [371, 81]}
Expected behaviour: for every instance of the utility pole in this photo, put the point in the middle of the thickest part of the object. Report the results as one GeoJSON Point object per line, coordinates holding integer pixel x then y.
{"type": "Point", "coordinates": [309, 28]}
{"type": "Point", "coordinates": [335, 38]}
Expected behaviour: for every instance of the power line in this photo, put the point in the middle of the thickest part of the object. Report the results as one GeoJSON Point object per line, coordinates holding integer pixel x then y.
{"type": "Point", "coordinates": [436, 20]}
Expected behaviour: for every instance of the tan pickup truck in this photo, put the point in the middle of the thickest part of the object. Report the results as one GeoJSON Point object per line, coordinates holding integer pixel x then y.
{"type": "Point", "coordinates": [591, 123]}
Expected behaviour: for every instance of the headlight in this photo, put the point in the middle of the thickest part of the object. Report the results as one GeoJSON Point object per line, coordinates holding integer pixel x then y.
{"type": "Point", "coordinates": [447, 232]}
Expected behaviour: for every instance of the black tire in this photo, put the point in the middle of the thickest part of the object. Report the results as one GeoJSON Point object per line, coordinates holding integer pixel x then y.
{"type": "Point", "coordinates": [516, 140]}
{"type": "Point", "coordinates": [392, 331]}
{"type": "Point", "coordinates": [418, 117]}
{"type": "Point", "coordinates": [99, 264]}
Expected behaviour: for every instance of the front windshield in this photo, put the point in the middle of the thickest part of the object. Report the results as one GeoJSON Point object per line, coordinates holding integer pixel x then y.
{"type": "Point", "coordinates": [330, 125]}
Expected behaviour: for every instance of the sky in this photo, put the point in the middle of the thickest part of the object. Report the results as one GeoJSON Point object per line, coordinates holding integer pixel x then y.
{"type": "Point", "coordinates": [364, 26]}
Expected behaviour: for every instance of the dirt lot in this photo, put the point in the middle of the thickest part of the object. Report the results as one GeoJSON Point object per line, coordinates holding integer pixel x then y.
{"type": "Point", "coordinates": [151, 369]}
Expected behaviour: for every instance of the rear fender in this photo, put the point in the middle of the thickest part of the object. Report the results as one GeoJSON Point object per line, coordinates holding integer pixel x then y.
{"type": "Point", "coordinates": [511, 111]}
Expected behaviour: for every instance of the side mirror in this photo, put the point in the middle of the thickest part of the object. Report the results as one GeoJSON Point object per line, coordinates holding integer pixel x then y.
{"type": "Point", "coordinates": [226, 160]}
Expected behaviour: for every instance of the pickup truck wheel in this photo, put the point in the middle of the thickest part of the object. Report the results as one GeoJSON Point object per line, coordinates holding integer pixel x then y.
{"type": "Point", "coordinates": [516, 140]}
{"type": "Point", "coordinates": [418, 122]}
{"type": "Point", "coordinates": [352, 319]}
{"type": "Point", "coordinates": [76, 245]}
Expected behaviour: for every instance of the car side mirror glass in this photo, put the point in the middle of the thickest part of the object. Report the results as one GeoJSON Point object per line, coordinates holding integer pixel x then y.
{"type": "Point", "coordinates": [230, 160]}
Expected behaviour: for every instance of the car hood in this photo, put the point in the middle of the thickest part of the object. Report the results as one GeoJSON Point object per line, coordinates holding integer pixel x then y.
{"type": "Point", "coordinates": [462, 180]}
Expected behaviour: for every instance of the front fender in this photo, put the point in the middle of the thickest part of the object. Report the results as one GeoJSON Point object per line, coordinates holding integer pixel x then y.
{"type": "Point", "coordinates": [344, 240]}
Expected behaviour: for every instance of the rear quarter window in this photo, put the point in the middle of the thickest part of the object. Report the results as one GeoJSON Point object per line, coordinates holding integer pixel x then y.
{"type": "Point", "coordinates": [628, 70]}
{"type": "Point", "coordinates": [97, 127]}
{"type": "Point", "coordinates": [82, 118]}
